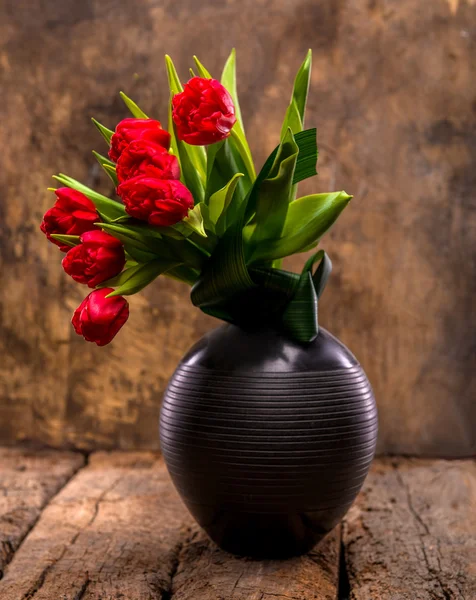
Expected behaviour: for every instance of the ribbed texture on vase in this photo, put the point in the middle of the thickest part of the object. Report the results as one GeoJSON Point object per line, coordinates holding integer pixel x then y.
{"type": "Point", "coordinates": [279, 455]}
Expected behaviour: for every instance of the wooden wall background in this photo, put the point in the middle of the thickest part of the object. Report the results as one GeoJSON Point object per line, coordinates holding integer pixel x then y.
{"type": "Point", "coordinates": [394, 99]}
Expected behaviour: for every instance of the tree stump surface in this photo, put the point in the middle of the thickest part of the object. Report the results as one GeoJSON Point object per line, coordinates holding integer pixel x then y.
{"type": "Point", "coordinates": [117, 530]}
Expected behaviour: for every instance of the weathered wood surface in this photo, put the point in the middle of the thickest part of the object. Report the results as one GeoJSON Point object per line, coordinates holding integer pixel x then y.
{"type": "Point", "coordinates": [412, 533]}
{"type": "Point", "coordinates": [393, 98]}
{"type": "Point", "coordinates": [118, 531]}
{"type": "Point", "coordinates": [28, 480]}
{"type": "Point", "coordinates": [206, 573]}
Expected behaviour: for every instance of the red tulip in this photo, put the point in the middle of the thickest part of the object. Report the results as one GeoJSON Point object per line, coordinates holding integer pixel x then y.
{"type": "Point", "coordinates": [162, 203]}
{"type": "Point", "coordinates": [99, 257]}
{"type": "Point", "coordinates": [129, 130]}
{"type": "Point", "coordinates": [72, 214]}
{"type": "Point", "coordinates": [147, 158]}
{"type": "Point", "coordinates": [204, 112]}
{"type": "Point", "coordinates": [98, 319]}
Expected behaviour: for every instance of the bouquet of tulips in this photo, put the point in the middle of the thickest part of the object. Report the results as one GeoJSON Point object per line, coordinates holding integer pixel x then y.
{"type": "Point", "coordinates": [190, 206]}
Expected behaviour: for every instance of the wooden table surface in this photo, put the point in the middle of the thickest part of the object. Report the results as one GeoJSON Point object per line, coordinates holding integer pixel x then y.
{"type": "Point", "coordinates": [110, 526]}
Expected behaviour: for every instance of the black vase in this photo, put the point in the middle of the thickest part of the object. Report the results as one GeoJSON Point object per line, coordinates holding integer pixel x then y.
{"type": "Point", "coordinates": [268, 441]}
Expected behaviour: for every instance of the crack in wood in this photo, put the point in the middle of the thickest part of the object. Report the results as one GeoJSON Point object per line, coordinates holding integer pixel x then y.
{"type": "Point", "coordinates": [426, 533]}
{"type": "Point", "coordinates": [8, 547]}
{"type": "Point", "coordinates": [168, 594]}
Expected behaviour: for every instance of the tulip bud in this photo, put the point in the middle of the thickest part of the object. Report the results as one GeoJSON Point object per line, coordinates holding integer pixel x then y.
{"type": "Point", "coordinates": [72, 214]}
{"type": "Point", "coordinates": [129, 130]}
{"type": "Point", "coordinates": [98, 319]}
{"type": "Point", "coordinates": [142, 157]}
{"type": "Point", "coordinates": [204, 112]}
{"type": "Point", "coordinates": [162, 203]}
{"type": "Point", "coordinates": [99, 257]}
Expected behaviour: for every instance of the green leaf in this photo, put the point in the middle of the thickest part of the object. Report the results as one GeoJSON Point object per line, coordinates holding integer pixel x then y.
{"type": "Point", "coordinates": [308, 154]}
{"type": "Point", "coordinates": [219, 202]}
{"type": "Point", "coordinates": [145, 239]}
{"type": "Point", "coordinates": [280, 287]}
{"type": "Point", "coordinates": [274, 193]}
{"type": "Point", "coordinates": [127, 235]}
{"type": "Point", "coordinates": [104, 205]}
{"type": "Point", "coordinates": [109, 167]}
{"type": "Point", "coordinates": [240, 143]}
{"type": "Point", "coordinates": [300, 317]}
{"type": "Point", "coordinates": [228, 80]}
{"type": "Point", "coordinates": [111, 171]}
{"type": "Point", "coordinates": [224, 275]}
{"type": "Point", "coordinates": [141, 277]}
{"type": "Point", "coordinates": [307, 220]}
{"type": "Point", "coordinates": [242, 152]}
{"type": "Point", "coordinates": [69, 240]}
{"type": "Point", "coordinates": [140, 256]}
{"type": "Point", "coordinates": [201, 69]}
{"type": "Point", "coordinates": [294, 117]}
{"type": "Point", "coordinates": [120, 279]}
{"type": "Point", "coordinates": [194, 220]}
{"type": "Point", "coordinates": [222, 165]}
{"type": "Point", "coordinates": [301, 84]}
{"type": "Point", "coordinates": [174, 80]}
{"type": "Point", "coordinates": [104, 131]}
{"type": "Point", "coordinates": [133, 108]}
{"type": "Point", "coordinates": [322, 273]}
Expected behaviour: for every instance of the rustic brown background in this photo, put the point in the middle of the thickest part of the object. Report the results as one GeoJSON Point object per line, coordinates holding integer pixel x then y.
{"type": "Point", "coordinates": [394, 99]}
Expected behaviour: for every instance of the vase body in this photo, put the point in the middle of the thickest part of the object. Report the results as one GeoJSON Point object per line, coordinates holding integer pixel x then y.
{"type": "Point", "coordinates": [268, 441]}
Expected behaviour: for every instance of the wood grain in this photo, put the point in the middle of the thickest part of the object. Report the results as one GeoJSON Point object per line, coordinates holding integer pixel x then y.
{"type": "Point", "coordinates": [393, 97]}
{"type": "Point", "coordinates": [28, 480]}
{"type": "Point", "coordinates": [206, 573]}
{"type": "Point", "coordinates": [119, 531]}
{"type": "Point", "coordinates": [412, 533]}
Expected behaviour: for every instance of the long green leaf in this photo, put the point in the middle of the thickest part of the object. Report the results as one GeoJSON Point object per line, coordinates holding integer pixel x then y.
{"type": "Point", "coordinates": [300, 318]}
{"type": "Point", "coordinates": [143, 238]}
{"type": "Point", "coordinates": [296, 110]}
{"type": "Point", "coordinates": [133, 108]}
{"type": "Point", "coordinates": [142, 276]}
{"type": "Point", "coordinates": [225, 275]}
{"type": "Point", "coordinates": [69, 240]}
{"type": "Point", "coordinates": [201, 69]}
{"type": "Point", "coordinates": [108, 166]}
{"type": "Point", "coordinates": [322, 273]}
{"type": "Point", "coordinates": [127, 235]}
{"type": "Point", "coordinates": [308, 154]}
{"type": "Point", "coordinates": [110, 208]}
{"type": "Point", "coordinates": [274, 193]}
{"type": "Point", "coordinates": [194, 220]}
{"type": "Point", "coordinates": [220, 201]}
{"type": "Point", "coordinates": [104, 131]}
{"type": "Point", "coordinates": [228, 80]}
{"type": "Point", "coordinates": [239, 141]}
{"type": "Point", "coordinates": [307, 220]}
{"type": "Point", "coordinates": [306, 141]}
